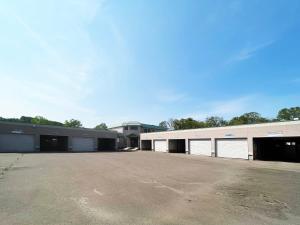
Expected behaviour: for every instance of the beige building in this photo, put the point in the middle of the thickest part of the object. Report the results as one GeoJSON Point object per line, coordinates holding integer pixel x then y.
{"type": "Point", "coordinates": [270, 141]}
{"type": "Point", "coordinates": [129, 132]}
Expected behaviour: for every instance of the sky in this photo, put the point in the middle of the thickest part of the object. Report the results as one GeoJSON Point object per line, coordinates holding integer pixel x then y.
{"type": "Point", "coordinates": [131, 60]}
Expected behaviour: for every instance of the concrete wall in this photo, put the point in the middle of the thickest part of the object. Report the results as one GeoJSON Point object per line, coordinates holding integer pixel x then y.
{"type": "Point", "coordinates": [118, 129]}
{"type": "Point", "coordinates": [279, 129]}
{"type": "Point", "coordinates": [37, 130]}
{"type": "Point", "coordinates": [122, 141]}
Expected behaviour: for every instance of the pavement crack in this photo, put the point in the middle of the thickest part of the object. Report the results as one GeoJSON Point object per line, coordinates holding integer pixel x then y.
{"type": "Point", "coordinates": [5, 169]}
{"type": "Point", "coordinates": [161, 185]}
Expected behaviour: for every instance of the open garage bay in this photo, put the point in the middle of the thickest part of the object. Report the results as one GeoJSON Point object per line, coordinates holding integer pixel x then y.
{"type": "Point", "coordinates": [277, 149]}
{"type": "Point", "coordinates": [146, 188]}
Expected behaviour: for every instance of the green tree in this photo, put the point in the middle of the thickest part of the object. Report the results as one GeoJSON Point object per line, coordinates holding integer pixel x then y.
{"type": "Point", "coordinates": [39, 120]}
{"type": "Point", "coordinates": [10, 119]}
{"type": "Point", "coordinates": [73, 123]}
{"type": "Point", "coordinates": [26, 119]}
{"type": "Point", "coordinates": [188, 123]}
{"type": "Point", "coordinates": [215, 121]}
{"type": "Point", "coordinates": [101, 126]}
{"type": "Point", "coordinates": [163, 124]}
{"type": "Point", "coordinates": [289, 113]}
{"type": "Point", "coordinates": [169, 125]}
{"type": "Point", "coordinates": [248, 118]}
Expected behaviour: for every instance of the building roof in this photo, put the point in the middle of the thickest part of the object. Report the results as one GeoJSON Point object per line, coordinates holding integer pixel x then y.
{"type": "Point", "coordinates": [132, 123]}
{"type": "Point", "coordinates": [153, 126]}
{"type": "Point", "coordinates": [53, 127]}
{"type": "Point", "coordinates": [269, 124]}
{"type": "Point", "coordinates": [136, 123]}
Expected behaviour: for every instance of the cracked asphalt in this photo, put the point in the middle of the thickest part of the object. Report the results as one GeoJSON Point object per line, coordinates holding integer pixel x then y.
{"type": "Point", "coordinates": [139, 188]}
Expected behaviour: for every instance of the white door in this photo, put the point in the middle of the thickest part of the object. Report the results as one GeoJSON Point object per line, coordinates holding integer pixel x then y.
{"type": "Point", "coordinates": [80, 144]}
{"type": "Point", "coordinates": [160, 145]}
{"type": "Point", "coordinates": [232, 148]}
{"type": "Point", "coordinates": [200, 147]}
{"type": "Point", "coordinates": [16, 143]}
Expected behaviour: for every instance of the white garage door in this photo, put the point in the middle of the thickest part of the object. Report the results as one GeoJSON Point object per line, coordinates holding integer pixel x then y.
{"type": "Point", "coordinates": [16, 143]}
{"type": "Point", "coordinates": [232, 148]}
{"type": "Point", "coordinates": [160, 146]}
{"type": "Point", "coordinates": [80, 144]}
{"type": "Point", "coordinates": [200, 147]}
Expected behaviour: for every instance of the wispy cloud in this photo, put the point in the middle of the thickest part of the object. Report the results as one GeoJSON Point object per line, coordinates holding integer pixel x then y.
{"type": "Point", "coordinates": [170, 96]}
{"type": "Point", "coordinates": [62, 70]}
{"type": "Point", "coordinates": [224, 108]}
{"type": "Point", "coordinates": [36, 36]}
{"type": "Point", "coordinates": [88, 8]}
{"type": "Point", "coordinates": [248, 52]}
{"type": "Point", "coordinates": [57, 86]}
{"type": "Point", "coordinates": [37, 98]}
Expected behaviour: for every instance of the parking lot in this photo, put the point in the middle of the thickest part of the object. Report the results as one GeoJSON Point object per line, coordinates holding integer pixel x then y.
{"type": "Point", "coordinates": [146, 188]}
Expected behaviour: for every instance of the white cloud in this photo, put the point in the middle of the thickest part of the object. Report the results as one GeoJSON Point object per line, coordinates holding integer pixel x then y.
{"type": "Point", "coordinates": [69, 75]}
{"type": "Point", "coordinates": [248, 52]}
{"type": "Point", "coordinates": [225, 108]}
{"type": "Point", "coordinates": [37, 98]}
{"type": "Point", "coordinates": [56, 87]}
{"type": "Point", "coordinates": [36, 36]}
{"type": "Point", "coordinates": [88, 8]}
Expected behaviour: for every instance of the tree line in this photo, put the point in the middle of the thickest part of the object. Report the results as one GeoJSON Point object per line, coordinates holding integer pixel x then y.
{"type": "Point", "coordinates": [39, 120]}
{"type": "Point", "coordinates": [285, 114]}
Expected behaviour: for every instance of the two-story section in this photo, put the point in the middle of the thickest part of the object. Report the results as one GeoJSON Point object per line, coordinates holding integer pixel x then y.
{"type": "Point", "coordinates": [129, 133]}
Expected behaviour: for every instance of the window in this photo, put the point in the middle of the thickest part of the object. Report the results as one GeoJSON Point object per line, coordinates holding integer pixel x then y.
{"type": "Point", "coordinates": [126, 128]}
{"type": "Point", "coordinates": [133, 128]}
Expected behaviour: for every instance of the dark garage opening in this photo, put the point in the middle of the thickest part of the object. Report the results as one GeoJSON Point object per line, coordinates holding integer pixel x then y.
{"type": "Point", "coordinates": [177, 146]}
{"type": "Point", "coordinates": [146, 145]}
{"type": "Point", "coordinates": [285, 149]}
{"type": "Point", "coordinates": [51, 143]}
{"type": "Point", "coordinates": [106, 144]}
{"type": "Point", "coordinates": [134, 142]}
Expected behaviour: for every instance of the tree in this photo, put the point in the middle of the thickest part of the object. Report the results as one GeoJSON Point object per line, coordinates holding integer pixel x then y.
{"type": "Point", "coordinates": [73, 123]}
{"type": "Point", "coordinates": [169, 125]}
{"type": "Point", "coordinates": [215, 121]}
{"type": "Point", "coordinates": [41, 121]}
{"type": "Point", "coordinates": [26, 119]}
{"type": "Point", "coordinates": [101, 126]}
{"type": "Point", "coordinates": [248, 118]}
{"type": "Point", "coordinates": [16, 120]}
{"type": "Point", "coordinates": [188, 123]}
{"type": "Point", "coordinates": [289, 113]}
{"type": "Point", "coordinates": [163, 124]}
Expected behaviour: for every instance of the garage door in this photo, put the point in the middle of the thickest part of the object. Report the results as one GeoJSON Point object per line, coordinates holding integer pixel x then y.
{"type": "Point", "coordinates": [80, 144]}
{"type": "Point", "coordinates": [160, 146]}
{"type": "Point", "coordinates": [200, 147]}
{"type": "Point", "coordinates": [16, 143]}
{"type": "Point", "coordinates": [233, 148]}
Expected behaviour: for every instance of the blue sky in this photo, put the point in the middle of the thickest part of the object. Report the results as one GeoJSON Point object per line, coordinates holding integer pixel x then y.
{"type": "Point", "coordinates": [113, 61]}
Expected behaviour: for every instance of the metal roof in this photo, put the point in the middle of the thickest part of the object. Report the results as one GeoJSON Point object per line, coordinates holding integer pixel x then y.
{"type": "Point", "coordinates": [136, 123]}
{"type": "Point", "coordinates": [132, 123]}
{"type": "Point", "coordinates": [54, 127]}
